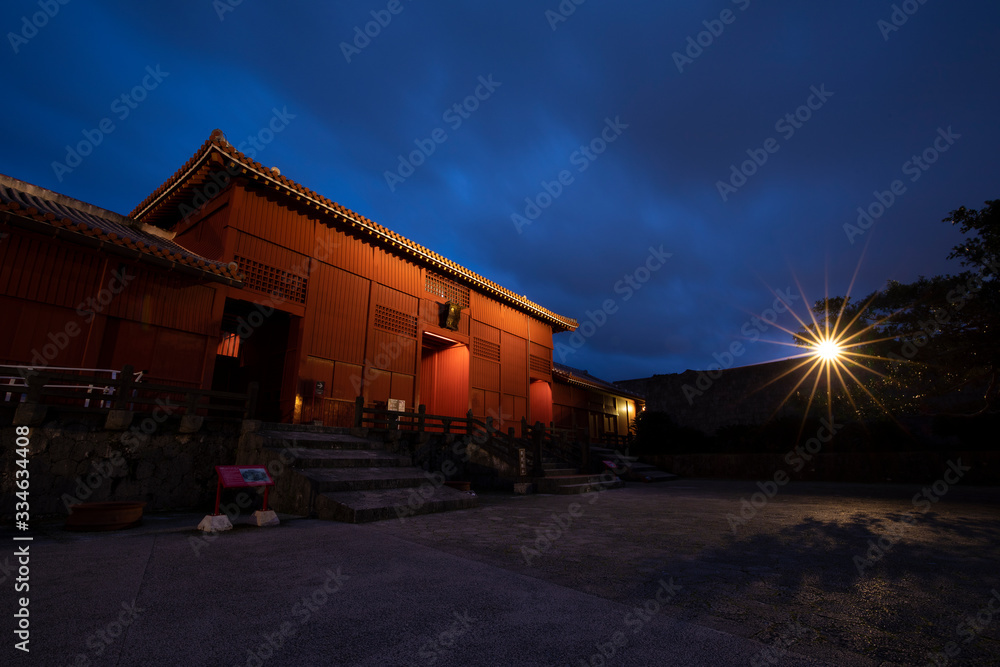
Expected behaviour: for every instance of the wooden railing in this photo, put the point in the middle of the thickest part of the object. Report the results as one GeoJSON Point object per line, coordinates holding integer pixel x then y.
{"type": "Point", "coordinates": [520, 454]}
{"type": "Point", "coordinates": [523, 454]}
{"type": "Point", "coordinates": [119, 390]}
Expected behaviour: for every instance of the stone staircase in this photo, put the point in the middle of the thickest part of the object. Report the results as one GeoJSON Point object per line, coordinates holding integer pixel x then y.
{"type": "Point", "coordinates": [562, 479]}
{"type": "Point", "coordinates": [633, 471]}
{"type": "Point", "coordinates": [343, 475]}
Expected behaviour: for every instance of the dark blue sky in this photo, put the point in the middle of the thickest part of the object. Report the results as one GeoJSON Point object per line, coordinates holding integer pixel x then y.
{"type": "Point", "coordinates": [673, 126]}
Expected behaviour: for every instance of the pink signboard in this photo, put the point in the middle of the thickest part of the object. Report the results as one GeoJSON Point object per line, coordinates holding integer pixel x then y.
{"type": "Point", "coordinates": [235, 476]}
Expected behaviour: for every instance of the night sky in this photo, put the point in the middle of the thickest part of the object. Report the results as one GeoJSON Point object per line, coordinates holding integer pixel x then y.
{"type": "Point", "coordinates": [586, 145]}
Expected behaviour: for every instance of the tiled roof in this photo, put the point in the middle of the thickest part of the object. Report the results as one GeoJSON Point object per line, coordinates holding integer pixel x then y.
{"type": "Point", "coordinates": [582, 378]}
{"type": "Point", "coordinates": [81, 222]}
{"type": "Point", "coordinates": [217, 153]}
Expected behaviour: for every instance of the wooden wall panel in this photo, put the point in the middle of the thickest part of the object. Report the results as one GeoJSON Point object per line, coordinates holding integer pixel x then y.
{"type": "Point", "coordinates": [161, 301]}
{"type": "Point", "coordinates": [264, 252]}
{"type": "Point", "coordinates": [486, 332]}
{"type": "Point", "coordinates": [485, 374]}
{"type": "Point", "coordinates": [392, 352]}
{"type": "Point", "coordinates": [263, 217]}
{"type": "Point", "coordinates": [513, 365]}
{"type": "Point", "coordinates": [41, 334]}
{"type": "Point", "coordinates": [378, 386]}
{"type": "Point", "coordinates": [402, 388]}
{"type": "Point", "coordinates": [169, 356]}
{"type": "Point", "coordinates": [540, 402]}
{"type": "Point", "coordinates": [47, 270]}
{"type": "Point", "coordinates": [395, 299]}
{"type": "Point", "coordinates": [338, 307]}
{"type": "Point", "coordinates": [336, 248]}
{"type": "Point", "coordinates": [397, 273]}
{"type": "Point", "coordinates": [206, 236]}
{"type": "Point", "coordinates": [514, 321]}
{"type": "Point", "coordinates": [184, 361]}
{"type": "Point", "coordinates": [485, 310]}
{"type": "Point", "coordinates": [346, 381]}
{"type": "Point", "coordinates": [539, 333]}
{"type": "Point", "coordinates": [512, 409]}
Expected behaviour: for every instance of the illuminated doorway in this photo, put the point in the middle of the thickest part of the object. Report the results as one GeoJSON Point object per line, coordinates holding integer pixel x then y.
{"type": "Point", "coordinates": [444, 376]}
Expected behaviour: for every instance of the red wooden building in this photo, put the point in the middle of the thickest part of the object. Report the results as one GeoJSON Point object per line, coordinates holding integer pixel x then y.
{"type": "Point", "coordinates": [231, 273]}
{"type": "Point", "coordinates": [581, 400]}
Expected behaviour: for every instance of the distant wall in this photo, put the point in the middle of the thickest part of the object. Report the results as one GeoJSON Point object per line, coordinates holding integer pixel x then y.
{"type": "Point", "coordinates": [77, 460]}
{"type": "Point", "coordinates": [743, 395]}
{"type": "Point", "coordinates": [863, 467]}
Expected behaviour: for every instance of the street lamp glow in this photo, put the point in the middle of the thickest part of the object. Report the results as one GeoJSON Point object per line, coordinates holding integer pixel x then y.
{"type": "Point", "coordinates": [828, 350]}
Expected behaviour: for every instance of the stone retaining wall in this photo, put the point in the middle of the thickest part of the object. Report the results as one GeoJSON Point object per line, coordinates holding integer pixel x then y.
{"type": "Point", "coordinates": [867, 467]}
{"type": "Point", "coordinates": [81, 461]}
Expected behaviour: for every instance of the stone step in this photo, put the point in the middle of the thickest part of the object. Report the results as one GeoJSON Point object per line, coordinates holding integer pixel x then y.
{"type": "Point", "coordinates": [332, 480]}
{"type": "Point", "coordinates": [654, 475]}
{"type": "Point", "coordinates": [568, 484]}
{"type": "Point", "coordinates": [306, 428]}
{"type": "Point", "coordinates": [343, 458]}
{"type": "Point", "coordinates": [366, 506]}
{"type": "Point", "coordinates": [561, 472]}
{"type": "Point", "coordinates": [319, 440]}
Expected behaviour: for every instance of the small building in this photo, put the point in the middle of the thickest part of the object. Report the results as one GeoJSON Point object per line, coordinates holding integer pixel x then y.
{"type": "Point", "coordinates": [230, 273]}
{"type": "Point", "coordinates": [580, 400]}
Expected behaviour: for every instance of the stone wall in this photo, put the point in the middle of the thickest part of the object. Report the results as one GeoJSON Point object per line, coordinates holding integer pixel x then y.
{"type": "Point", "coordinates": [78, 460]}
{"type": "Point", "coordinates": [745, 395]}
{"type": "Point", "coordinates": [862, 467]}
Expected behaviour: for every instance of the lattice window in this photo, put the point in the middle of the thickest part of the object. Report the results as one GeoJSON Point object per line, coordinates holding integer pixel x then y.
{"type": "Point", "coordinates": [272, 281]}
{"type": "Point", "coordinates": [540, 364]}
{"type": "Point", "coordinates": [485, 349]}
{"type": "Point", "coordinates": [229, 346]}
{"type": "Point", "coordinates": [388, 319]}
{"type": "Point", "coordinates": [447, 288]}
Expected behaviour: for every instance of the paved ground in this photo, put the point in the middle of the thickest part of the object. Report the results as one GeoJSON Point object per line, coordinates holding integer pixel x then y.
{"type": "Point", "coordinates": [648, 575]}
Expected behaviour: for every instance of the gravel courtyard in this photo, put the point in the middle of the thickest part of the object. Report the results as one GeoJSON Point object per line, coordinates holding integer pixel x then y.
{"type": "Point", "coordinates": [797, 574]}
{"type": "Point", "coordinates": [675, 573]}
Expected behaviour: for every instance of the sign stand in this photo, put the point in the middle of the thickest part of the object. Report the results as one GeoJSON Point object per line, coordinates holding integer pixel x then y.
{"type": "Point", "coordinates": [235, 477]}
